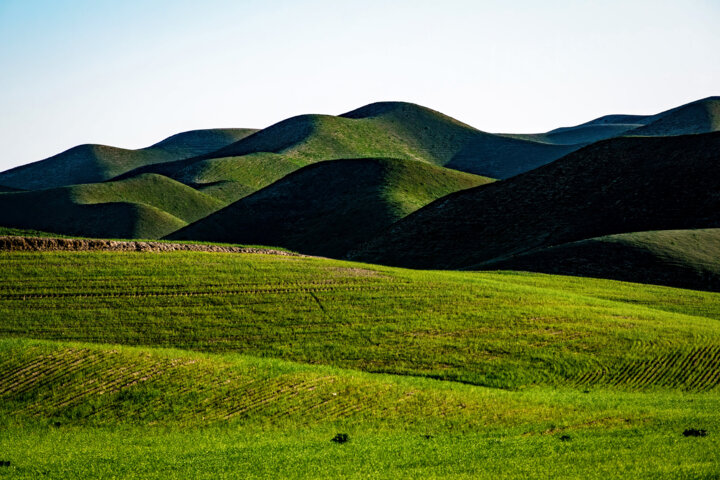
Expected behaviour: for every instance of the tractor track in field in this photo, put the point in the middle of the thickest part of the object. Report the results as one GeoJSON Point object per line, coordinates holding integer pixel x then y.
{"type": "Point", "coordinates": [694, 369]}
{"type": "Point", "coordinates": [311, 288]}
{"type": "Point", "coordinates": [69, 378]}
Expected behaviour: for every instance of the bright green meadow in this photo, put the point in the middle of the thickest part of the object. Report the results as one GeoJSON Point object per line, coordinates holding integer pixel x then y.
{"type": "Point", "coordinates": [210, 365]}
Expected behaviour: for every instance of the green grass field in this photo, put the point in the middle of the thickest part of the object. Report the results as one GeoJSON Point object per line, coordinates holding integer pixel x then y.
{"type": "Point", "coordinates": [207, 365]}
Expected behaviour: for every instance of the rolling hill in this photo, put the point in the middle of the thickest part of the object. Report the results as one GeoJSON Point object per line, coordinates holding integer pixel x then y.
{"type": "Point", "coordinates": [224, 166]}
{"type": "Point", "coordinates": [212, 365]}
{"type": "Point", "coordinates": [701, 116]}
{"type": "Point", "coordinates": [678, 258]}
{"type": "Point", "coordinates": [97, 163]}
{"type": "Point", "coordinates": [146, 206]}
{"type": "Point", "coordinates": [379, 130]}
{"type": "Point", "coordinates": [329, 207]}
{"type": "Point", "coordinates": [613, 186]}
{"type": "Point", "coordinates": [226, 178]}
{"type": "Point", "coordinates": [174, 361]}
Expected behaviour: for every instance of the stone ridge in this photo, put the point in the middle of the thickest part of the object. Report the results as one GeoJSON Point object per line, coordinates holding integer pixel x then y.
{"type": "Point", "coordinates": [18, 244]}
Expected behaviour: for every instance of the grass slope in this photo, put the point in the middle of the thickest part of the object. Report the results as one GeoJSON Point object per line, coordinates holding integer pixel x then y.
{"type": "Point", "coordinates": [330, 207]}
{"type": "Point", "coordinates": [147, 206]}
{"type": "Point", "coordinates": [75, 411]}
{"type": "Point", "coordinates": [679, 258]}
{"type": "Point", "coordinates": [615, 186]}
{"type": "Point", "coordinates": [601, 128]}
{"type": "Point", "coordinates": [599, 379]}
{"type": "Point", "coordinates": [492, 329]}
{"type": "Point", "coordinates": [379, 130]}
{"type": "Point", "coordinates": [96, 163]}
{"type": "Point", "coordinates": [701, 116]}
{"type": "Point", "coordinates": [227, 178]}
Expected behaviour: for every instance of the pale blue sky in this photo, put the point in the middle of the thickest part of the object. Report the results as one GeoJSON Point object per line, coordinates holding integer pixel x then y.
{"type": "Point", "coordinates": [131, 72]}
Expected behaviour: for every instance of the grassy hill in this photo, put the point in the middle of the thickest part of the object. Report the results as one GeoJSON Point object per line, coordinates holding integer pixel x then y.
{"type": "Point", "coordinates": [680, 258]}
{"type": "Point", "coordinates": [329, 207]}
{"type": "Point", "coordinates": [701, 116]}
{"type": "Point", "coordinates": [96, 163]}
{"type": "Point", "coordinates": [147, 206]}
{"type": "Point", "coordinates": [379, 130]}
{"type": "Point", "coordinates": [398, 130]}
{"type": "Point", "coordinates": [82, 410]}
{"type": "Point", "coordinates": [492, 329]}
{"type": "Point", "coordinates": [614, 186]}
{"type": "Point", "coordinates": [226, 178]}
{"type": "Point", "coordinates": [588, 378]}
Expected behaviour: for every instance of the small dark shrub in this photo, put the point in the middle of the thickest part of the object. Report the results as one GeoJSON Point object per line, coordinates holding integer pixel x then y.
{"type": "Point", "coordinates": [694, 432]}
{"type": "Point", "coordinates": [428, 437]}
{"type": "Point", "coordinates": [4, 463]}
{"type": "Point", "coordinates": [340, 438]}
{"type": "Point", "coordinates": [565, 438]}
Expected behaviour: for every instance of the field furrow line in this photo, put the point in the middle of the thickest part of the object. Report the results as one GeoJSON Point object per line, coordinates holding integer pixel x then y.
{"type": "Point", "coordinates": [54, 364]}
{"type": "Point", "coordinates": [58, 372]}
{"type": "Point", "coordinates": [34, 296]}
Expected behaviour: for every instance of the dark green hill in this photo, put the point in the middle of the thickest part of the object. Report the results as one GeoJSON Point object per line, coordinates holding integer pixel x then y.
{"type": "Point", "coordinates": [589, 134]}
{"type": "Point", "coordinates": [498, 156]}
{"type": "Point", "coordinates": [96, 163]}
{"type": "Point", "coordinates": [380, 130]}
{"type": "Point", "coordinates": [147, 206]}
{"type": "Point", "coordinates": [602, 128]}
{"type": "Point", "coordinates": [678, 258]}
{"type": "Point", "coordinates": [614, 186]}
{"type": "Point", "coordinates": [701, 116]}
{"type": "Point", "coordinates": [329, 207]}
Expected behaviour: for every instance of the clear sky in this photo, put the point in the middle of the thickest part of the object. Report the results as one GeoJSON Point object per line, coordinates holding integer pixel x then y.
{"type": "Point", "coordinates": [131, 72]}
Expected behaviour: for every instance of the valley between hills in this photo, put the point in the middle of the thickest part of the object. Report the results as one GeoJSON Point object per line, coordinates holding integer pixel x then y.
{"type": "Point", "coordinates": [389, 292]}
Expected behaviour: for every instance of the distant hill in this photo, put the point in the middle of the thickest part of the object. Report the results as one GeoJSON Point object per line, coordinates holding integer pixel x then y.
{"type": "Point", "coordinates": [678, 258]}
{"type": "Point", "coordinates": [602, 128]}
{"type": "Point", "coordinates": [614, 186]}
{"type": "Point", "coordinates": [147, 206]}
{"type": "Point", "coordinates": [701, 116]}
{"type": "Point", "coordinates": [97, 163]}
{"type": "Point", "coordinates": [379, 130]}
{"type": "Point", "coordinates": [195, 173]}
{"type": "Point", "coordinates": [329, 207]}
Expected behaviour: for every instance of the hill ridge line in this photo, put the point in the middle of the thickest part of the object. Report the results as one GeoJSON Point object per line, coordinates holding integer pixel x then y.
{"type": "Point", "coordinates": [49, 244]}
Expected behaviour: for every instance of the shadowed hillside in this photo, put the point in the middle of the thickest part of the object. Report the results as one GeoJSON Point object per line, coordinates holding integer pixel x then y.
{"type": "Point", "coordinates": [96, 163]}
{"type": "Point", "coordinates": [148, 206]}
{"type": "Point", "coordinates": [701, 116]}
{"type": "Point", "coordinates": [678, 258]}
{"type": "Point", "coordinates": [614, 186]}
{"type": "Point", "coordinates": [329, 207]}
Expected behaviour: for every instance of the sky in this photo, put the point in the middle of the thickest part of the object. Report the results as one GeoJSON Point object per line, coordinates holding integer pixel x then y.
{"type": "Point", "coordinates": [129, 73]}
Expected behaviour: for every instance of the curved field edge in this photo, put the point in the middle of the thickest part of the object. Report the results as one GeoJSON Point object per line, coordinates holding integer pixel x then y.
{"type": "Point", "coordinates": [72, 410]}
{"type": "Point", "coordinates": [480, 328]}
